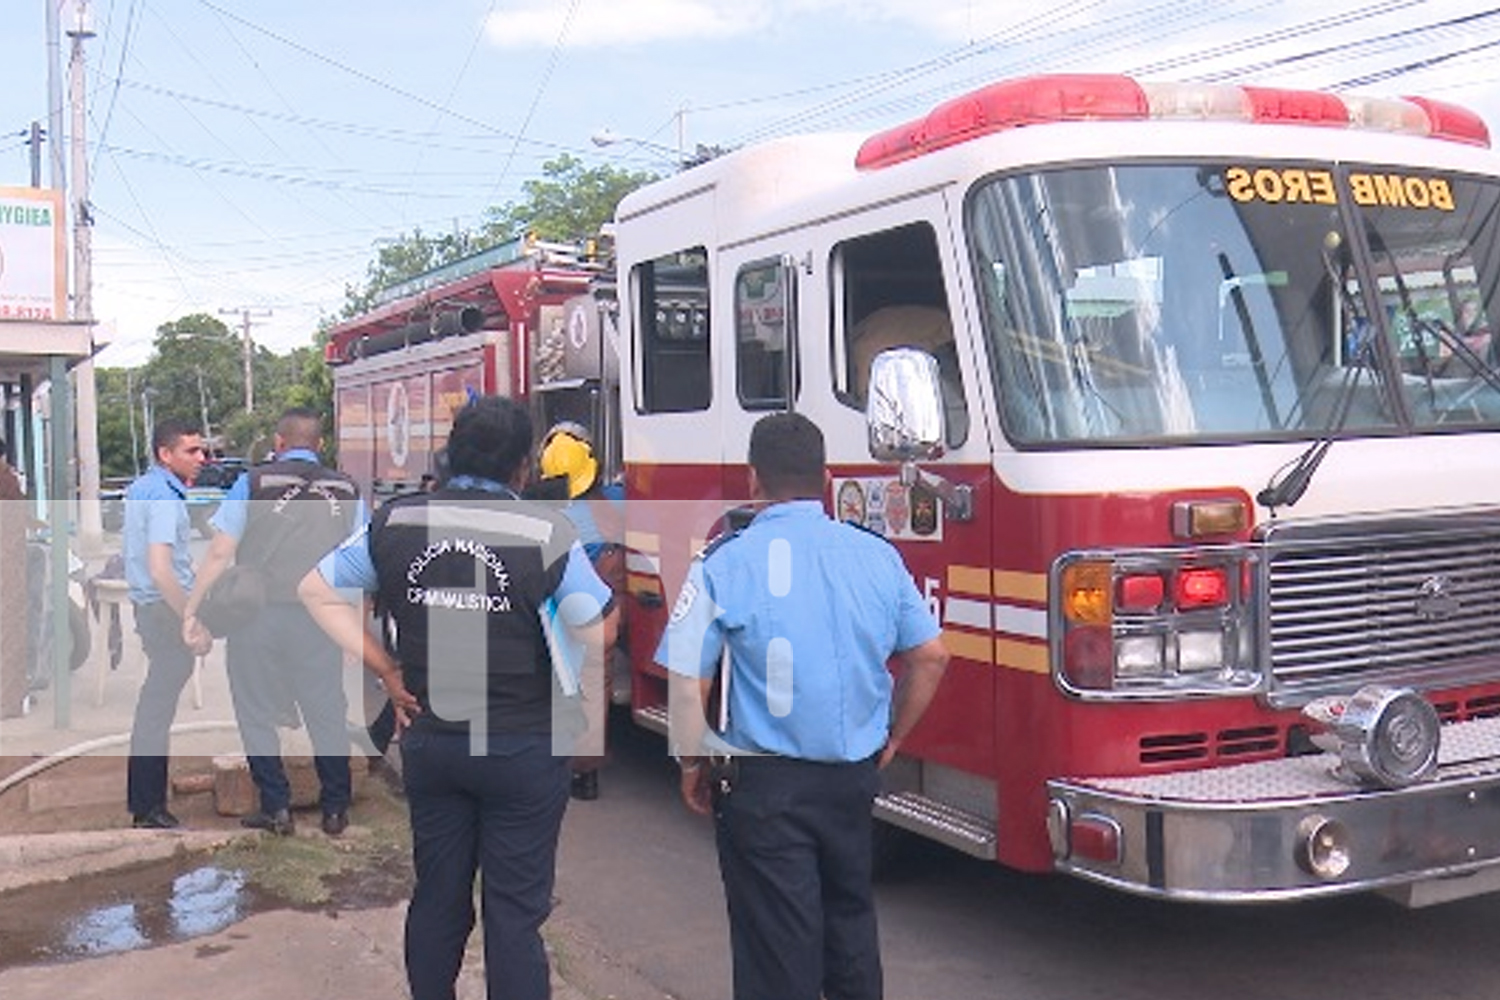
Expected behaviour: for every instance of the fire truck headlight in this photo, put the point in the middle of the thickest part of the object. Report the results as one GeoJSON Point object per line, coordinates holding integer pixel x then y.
{"type": "Point", "coordinates": [1388, 736]}
{"type": "Point", "coordinates": [1322, 847]}
{"type": "Point", "coordinates": [1199, 651]}
{"type": "Point", "coordinates": [1139, 656]}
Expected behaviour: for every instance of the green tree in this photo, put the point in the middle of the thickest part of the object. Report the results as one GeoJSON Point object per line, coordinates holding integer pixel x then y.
{"type": "Point", "coordinates": [313, 387]}
{"type": "Point", "coordinates": [568, 205]}
{"type": "Point", "coordinates": [311, 384]}
{"type": "Point", "coordinates": [122, 444]}
{"type": "Point", "coordinates": [196, 371]}
{"type": "Point", "coordinates": [403, 257]}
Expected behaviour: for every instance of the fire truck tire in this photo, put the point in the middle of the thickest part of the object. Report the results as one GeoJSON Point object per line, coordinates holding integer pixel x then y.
{"type": "Point", "coordinates": [888, 846]}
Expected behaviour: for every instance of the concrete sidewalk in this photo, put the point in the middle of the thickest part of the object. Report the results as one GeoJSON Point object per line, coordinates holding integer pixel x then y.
{"type": "Point", "coordinates": [289, 955]}
{"type": "Point", "coordinates": [281, 954]}
{"type": "Point", "coordinates": [34, 859]}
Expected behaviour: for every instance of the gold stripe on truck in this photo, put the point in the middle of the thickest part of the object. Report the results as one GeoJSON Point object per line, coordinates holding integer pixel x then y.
{"type": "Point", "coordinates": [1018, 586]}
{"type": "Point", "coordinates": [1031, 657]}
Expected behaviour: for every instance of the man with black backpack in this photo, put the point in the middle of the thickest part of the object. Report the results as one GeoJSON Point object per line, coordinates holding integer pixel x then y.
{"type": "Point", "coordinates": [276, 522]}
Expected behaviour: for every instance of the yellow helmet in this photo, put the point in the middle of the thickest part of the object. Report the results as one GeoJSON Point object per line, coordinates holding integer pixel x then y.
{"type": "Point", "coordinates": [566, 452]}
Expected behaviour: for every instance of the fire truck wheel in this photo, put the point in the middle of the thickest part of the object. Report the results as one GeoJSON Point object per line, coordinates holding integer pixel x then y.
{"type": "Point", "coordinates": [888, 845]}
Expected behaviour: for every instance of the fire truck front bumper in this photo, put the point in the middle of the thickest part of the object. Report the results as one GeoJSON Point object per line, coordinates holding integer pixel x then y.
{"type": "Point", "coordinates": [1289, 828]}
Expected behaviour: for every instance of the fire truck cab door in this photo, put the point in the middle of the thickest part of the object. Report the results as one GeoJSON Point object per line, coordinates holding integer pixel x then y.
{"type": "Point", "coordinates": [886, 276]}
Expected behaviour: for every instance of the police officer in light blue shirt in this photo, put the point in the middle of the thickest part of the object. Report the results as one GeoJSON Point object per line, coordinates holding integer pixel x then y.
{"type": "Point", "coordinates": [277, 520]}
{"type": "Point", "coordinates": [159, 571]}
{"type": "Point", "coordinates": [810, 610]}
{"type": "Point", "coordinates": [159, 497]}
{"type": "Point", "coordinates": [791, 591]}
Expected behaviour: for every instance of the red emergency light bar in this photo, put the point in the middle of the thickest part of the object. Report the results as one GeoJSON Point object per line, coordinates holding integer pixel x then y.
{"type": "Point", "coordinates": [1036, 100]}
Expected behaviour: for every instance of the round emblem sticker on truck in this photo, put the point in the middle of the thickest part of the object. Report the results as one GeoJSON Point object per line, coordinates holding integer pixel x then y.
{"type": "Point", "coordinates": [398, 424]}
{"type": "Point", "coordinates": [578, 328]}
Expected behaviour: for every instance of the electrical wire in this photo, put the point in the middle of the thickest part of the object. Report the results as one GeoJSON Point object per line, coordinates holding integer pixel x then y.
{"type": "Point", "coordinates": [924, 68]}
{"type": "Point", "coordinates": [536, 97]}
{"type": "Point", "coordinates": [429, 139]}
{"type": "Point", "coordinates": [103, 131]}
{"type": "Point", "coordinates": [1048, 35]}
{"type": "Point", "coordinates": [458, 79]}
{"type": "Point", "coordinates": [1392, 72]}
{"type": "Point", "coordinates": [374, 81]}
{"type": "Point", "coordinates": [275, 91]}
{"type": "Point", "coordinates": [1345, 50]}
{"type": "Point", "coordinates": [1119, 33]}
{"type": "Point", "coordinates": [1289, 32]}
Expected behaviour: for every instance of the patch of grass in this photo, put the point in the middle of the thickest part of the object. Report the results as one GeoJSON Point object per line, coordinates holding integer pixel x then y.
{"type": "Point", "coordinates": [368, 865]}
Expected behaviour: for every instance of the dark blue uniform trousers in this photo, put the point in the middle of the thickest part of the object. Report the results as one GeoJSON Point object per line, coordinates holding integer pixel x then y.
{"type": "Point", "coordinates": [794, 842]}
{"type": "Point", "coordinates": [499, 815]}
{"type": "Point", "coordinates": [280, 658]}
{"type": "Point", "coordinates": [169, 665]}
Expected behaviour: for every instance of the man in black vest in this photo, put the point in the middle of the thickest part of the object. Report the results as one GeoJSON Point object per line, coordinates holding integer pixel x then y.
{"type": "Point", "coordinates": [277, 521]}
{"type": "Point", "coordinates": [469, 574]}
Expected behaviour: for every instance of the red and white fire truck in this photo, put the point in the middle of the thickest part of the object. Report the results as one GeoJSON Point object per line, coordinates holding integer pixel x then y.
{"type": "Point", "coordinates": [1181, 403]}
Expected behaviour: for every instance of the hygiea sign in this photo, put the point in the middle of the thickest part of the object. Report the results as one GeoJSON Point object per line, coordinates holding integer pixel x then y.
{"type": "Point", "coordinates": [33, 273]}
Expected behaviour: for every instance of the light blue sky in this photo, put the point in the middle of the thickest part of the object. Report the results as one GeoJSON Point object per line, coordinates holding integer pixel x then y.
{"type": "Point", "coordinates": [250, 153]}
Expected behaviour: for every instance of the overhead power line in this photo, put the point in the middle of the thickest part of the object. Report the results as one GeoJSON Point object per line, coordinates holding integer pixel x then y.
{"type": "Point", "coordinates": [1412, 67]}
{"type": "Point", "coordinates": [536, 97]}
{"type": "Point", "coordinates": [352, 71]}
{"type": "Point", "coordinates": [426, 139]}
{"type": "Point", "coordinates": [1300, 30]}
{"type": "Point", "coordinates": [114, 93]}
{"type": "Point", "coordinates": [1345, 49]}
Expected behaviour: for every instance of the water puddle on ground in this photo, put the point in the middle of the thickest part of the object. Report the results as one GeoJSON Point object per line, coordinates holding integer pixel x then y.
{"type": "Point", "coordinates": [156, 904]}
{"type": "Point", "coordinates": [110, 912]}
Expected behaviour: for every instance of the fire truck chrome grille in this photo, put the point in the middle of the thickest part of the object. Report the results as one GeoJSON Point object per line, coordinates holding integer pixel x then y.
{"type": "Point", "coordinates": [1413, 603]}
{"type": "Point", "coordinates": [1468, 749]}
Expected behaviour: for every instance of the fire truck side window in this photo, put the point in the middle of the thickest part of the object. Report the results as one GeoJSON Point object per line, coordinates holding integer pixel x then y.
{"type": "Point", "coordinates": [760, 336]}
{"type": "Point", "coordinates": [891, 295]}
{"type": "Point", "coordinates": [672, 292]}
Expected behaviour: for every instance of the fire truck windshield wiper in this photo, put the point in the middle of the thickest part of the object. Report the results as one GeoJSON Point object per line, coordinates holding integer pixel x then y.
{"type": "Point", "coordinates": [1439, 330]}
{"type": "Point", "coordinates": [1290, 481]}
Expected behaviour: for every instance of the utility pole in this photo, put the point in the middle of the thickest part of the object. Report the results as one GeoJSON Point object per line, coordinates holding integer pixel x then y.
{"type": "Point", "coordinates": [203, 406]}
{"type": "Point", "coordinates": [246, 315]}
{"type": "Point", "coordinates": [135, 439]}
{"type": "Point", "coordinates": [148, 420]}
{"type": "Point", "coordinates": [34, 140]}
{"type": "Point", "coordinates": [90, 523]}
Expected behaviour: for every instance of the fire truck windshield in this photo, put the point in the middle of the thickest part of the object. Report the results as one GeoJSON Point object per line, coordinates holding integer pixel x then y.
{"type": "Point", "coordinates": [1235, 300]}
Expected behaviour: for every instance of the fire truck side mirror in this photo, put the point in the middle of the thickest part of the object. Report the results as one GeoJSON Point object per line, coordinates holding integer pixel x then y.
{"type": "Point", "coordinates": [904, 411]}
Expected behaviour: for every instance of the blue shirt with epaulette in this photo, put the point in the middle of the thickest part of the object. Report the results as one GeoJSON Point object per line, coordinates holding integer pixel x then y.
{"type": "Point", "coordinates": [810, 610]}
{"type": "Point", "coordinates": [156, 514]}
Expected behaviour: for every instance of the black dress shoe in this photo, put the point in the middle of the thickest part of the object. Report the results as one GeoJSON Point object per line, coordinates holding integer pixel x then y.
{"type": "Point", "coordinates": [156, 819]}
{"type": "Point", "coordinates": [335, 823]}
{"type": "Point", "coordinates": [278, 822]}
{"type": "Point", "coordinates": [585, 786]}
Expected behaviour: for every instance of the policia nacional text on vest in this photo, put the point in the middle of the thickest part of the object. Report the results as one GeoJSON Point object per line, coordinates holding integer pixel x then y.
{"type": "Point", "coordinates": [463, 573]}
{"type": "Point", "coordinates": [299, 512]}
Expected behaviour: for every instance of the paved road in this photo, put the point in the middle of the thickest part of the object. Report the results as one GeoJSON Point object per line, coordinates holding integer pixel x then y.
{"type": "Point", "coordinates": [640, 870]}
